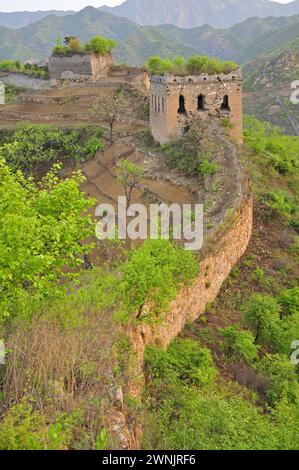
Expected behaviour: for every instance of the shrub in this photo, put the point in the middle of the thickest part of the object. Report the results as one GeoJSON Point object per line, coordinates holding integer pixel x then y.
{"type": "Point", "coordinates": [279, 151]}
{"type": "Point", "coordinates": [33, 145]}
{"type": "Point", "coordinates": [184, 360]}
{"type": "Point", "coordinates": [153, 274]}
{"type": "Point", "coordinates": [262, 315]}
{"type": "Point", "coordinates": [239, 344]}
{"type": "Point", "coordinates": [206, 166]}
{"type": "Point", "coordinates": [100, 45]}
{"type": "Point", "coordinates": [194, 65]}
{"type": "Point", "coordinates": [26, 69]}
{"type": "Point", "coordinates": [74, 44]}
{"type": "Point", "coordinates": [97, 45]}
{"type": "Point", "coordinates": [22, 428]}
{"type": "Point", "coordinates": [282, 377]}
{"type": "Point", "coordinates": [42, 229]}
{"type": "Point", "coordinates": [191, 362]}
{"type": "Point", "coordinates": [289, 301]}
{"type": "Point", "coordinates": [184, 414]}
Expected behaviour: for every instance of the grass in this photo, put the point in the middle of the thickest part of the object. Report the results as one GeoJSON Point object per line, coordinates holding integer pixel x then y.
{"type": "Point", "coordinates": [252, 389]}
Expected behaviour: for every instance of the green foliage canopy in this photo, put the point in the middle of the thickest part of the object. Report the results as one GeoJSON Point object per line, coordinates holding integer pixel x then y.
{"type": "Point", "coordinates": [32, 144]}
{"type": "Point", "coordinates": [97, 45]}
{"type": "Point", "coordinates": [194, 65]}
{"type": "Point", "coordinates": [153, 274]}
{"type": "Point", "coordinates": [41, 232]}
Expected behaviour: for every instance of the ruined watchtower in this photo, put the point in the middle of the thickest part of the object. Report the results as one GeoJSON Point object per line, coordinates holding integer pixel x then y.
{"type": "Point", "coordinates": [177, 100]}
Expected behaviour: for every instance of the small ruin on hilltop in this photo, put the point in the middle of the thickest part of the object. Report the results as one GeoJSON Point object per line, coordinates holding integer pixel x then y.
{"type": "Point", "coordinates": [88, 66]}
{"type": "Point", "coordinates": [176, 100]}
{"type": "Point", "coordinates": [73, 61]}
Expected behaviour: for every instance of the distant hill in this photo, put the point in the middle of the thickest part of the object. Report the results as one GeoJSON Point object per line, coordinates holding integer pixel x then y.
{"type": "Point", "coordinates": [267, 88]}
{"type": "Point", "coordinates": [191, 13]}
{"type": "Point", "coordinates": [242, 42]}
{"type": "Point", "coordinates": [38, 39]}
{"type": "Point", "coordinates": [19, 19]}
{"type": "Point", "coordinates": [272, 42]}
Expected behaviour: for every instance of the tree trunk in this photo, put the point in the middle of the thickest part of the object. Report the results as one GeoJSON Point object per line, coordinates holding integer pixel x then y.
{"type": "Point", "coordinates": [140, 311]}
{"type": "Point", "coordinates": [87, 263]}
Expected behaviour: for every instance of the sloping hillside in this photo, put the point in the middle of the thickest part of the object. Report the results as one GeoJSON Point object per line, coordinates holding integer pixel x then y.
{"type": "Point", "coordinates": [190, 13]}
{"type": "Point", "coordinates": [19, 19]}
{"type": "Point", "coordinates": [268, 90]}
{"type": "Point", "coordinates": [136, 43]}
{"type": "Point", "coordinates": [271, 43]}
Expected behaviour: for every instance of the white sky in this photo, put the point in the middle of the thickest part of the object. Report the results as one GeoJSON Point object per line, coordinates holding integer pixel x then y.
{"type": "Point", "coordinates": [20, 5]}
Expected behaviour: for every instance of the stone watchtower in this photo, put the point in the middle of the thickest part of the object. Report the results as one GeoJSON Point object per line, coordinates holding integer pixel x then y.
{"type": "Point", "coordinates": [176, 100]}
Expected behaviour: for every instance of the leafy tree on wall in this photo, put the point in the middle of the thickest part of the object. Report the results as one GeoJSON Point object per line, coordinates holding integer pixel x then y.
{"type": "Point", "coordinates": [100, 45]}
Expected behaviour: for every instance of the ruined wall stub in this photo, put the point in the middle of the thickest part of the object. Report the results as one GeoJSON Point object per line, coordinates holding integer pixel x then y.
{"type": "Point", "coordinates": [176, 100]}
{"type": "Point", "coordinates": [80, 66]}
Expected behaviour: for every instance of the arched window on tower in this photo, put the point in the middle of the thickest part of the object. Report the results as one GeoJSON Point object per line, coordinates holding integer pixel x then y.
{"type": "Point", "coordinates": [182, 109]}
{"type": "Point", "coordinates": [201, 103]}
{"type": "Point", "coordinates": [225, 103]}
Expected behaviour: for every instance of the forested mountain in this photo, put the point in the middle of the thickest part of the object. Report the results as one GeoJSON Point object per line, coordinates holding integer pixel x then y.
{"type": "Point", "coordinates": [190, 13]}
{"type": "Point", "coordinates": [243, 42]}
{"type": "Point", "coordinates": [19, 19]}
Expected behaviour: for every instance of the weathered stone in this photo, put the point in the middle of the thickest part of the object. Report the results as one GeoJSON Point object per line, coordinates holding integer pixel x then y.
{"type": "Point", "coordinates": [80, 66]}
{"type": "Point", "coordinates": [176, 100]}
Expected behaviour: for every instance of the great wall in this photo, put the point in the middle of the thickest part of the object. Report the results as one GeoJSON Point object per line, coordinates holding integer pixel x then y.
{"type": "Point", "coordinates": [174, 102]}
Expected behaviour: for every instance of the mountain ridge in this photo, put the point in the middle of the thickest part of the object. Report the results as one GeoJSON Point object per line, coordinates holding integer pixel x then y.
{"type": "Point", "coordinates": [136, 43]}
{"type": "Point", "coordinates": [19, 19]}
{"type": "Point", "coordinates": [192, 13]}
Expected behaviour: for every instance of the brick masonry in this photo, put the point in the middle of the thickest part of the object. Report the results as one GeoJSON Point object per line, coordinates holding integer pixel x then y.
{"type": "Point", "coordinates": [80, 66]}
{"type": "Point", "coordinates": [176, 100]}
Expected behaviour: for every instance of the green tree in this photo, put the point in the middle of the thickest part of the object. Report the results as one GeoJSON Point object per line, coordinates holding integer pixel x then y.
{"type": "Point", "coordinates": [262, 315]}
{"type": "Point", "coordinates": [289, 301]}
{"type": "Point", "coordinates": [282, 378]}
{"type": "Point", "coordinates": [239, 344]}
{"type": "Point", "coordinates": [100, 45]}
{"type": "Point", "coordinates": [152, 275]}
{"type": "Point", "coordinates": [129, 176]}
{"type": "Point", "coordinates": [75, 44]}
{"type": "Point", "coordinates": [41, 233]}
{"type": "Point", "coordinates": [110, 108]}
{"type": "Point", "coordinates": [24, 428]}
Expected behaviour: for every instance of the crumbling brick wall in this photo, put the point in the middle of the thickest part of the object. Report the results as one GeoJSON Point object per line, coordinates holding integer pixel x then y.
{"type": "Point", "coordinates": [176, 100]}
{"type": "Point", "coordinates": [80, 66]}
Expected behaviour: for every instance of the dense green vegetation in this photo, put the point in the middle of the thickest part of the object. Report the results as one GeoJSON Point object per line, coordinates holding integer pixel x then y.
{"type": "Point", "coordinates": [12, 92]}
{"type": "Point", "coordinates": [32, 146]}
{"type": "Point", "coordinates": [41, 232]}
{"type": "Point", "coordinates": [186, 156]}
{"type": "Point", "coordinates": [189, 409]}
{"type": "Point", "coordinates": [61, 324]}
{"type": "Point", "coordinates": [228, 382]}
{"type": "Point", "coordinates": [277, 154]}
{"type": "Point", "coordinates": [97, 45]}
{"type": "Point", "coordinates": [153, 275]}
{"type": "Point", "coordinates": [26, 69]}
{"type": "Point", "coordinates": [194, 65]}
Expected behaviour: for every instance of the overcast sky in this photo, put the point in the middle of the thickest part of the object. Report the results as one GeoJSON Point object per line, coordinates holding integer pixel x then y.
{"type": "Point", "coordinates": [20, 5]}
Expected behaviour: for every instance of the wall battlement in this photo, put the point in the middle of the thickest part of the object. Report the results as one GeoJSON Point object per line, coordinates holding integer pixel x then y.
{"type": "Point", "coordinates": [177, 100]}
